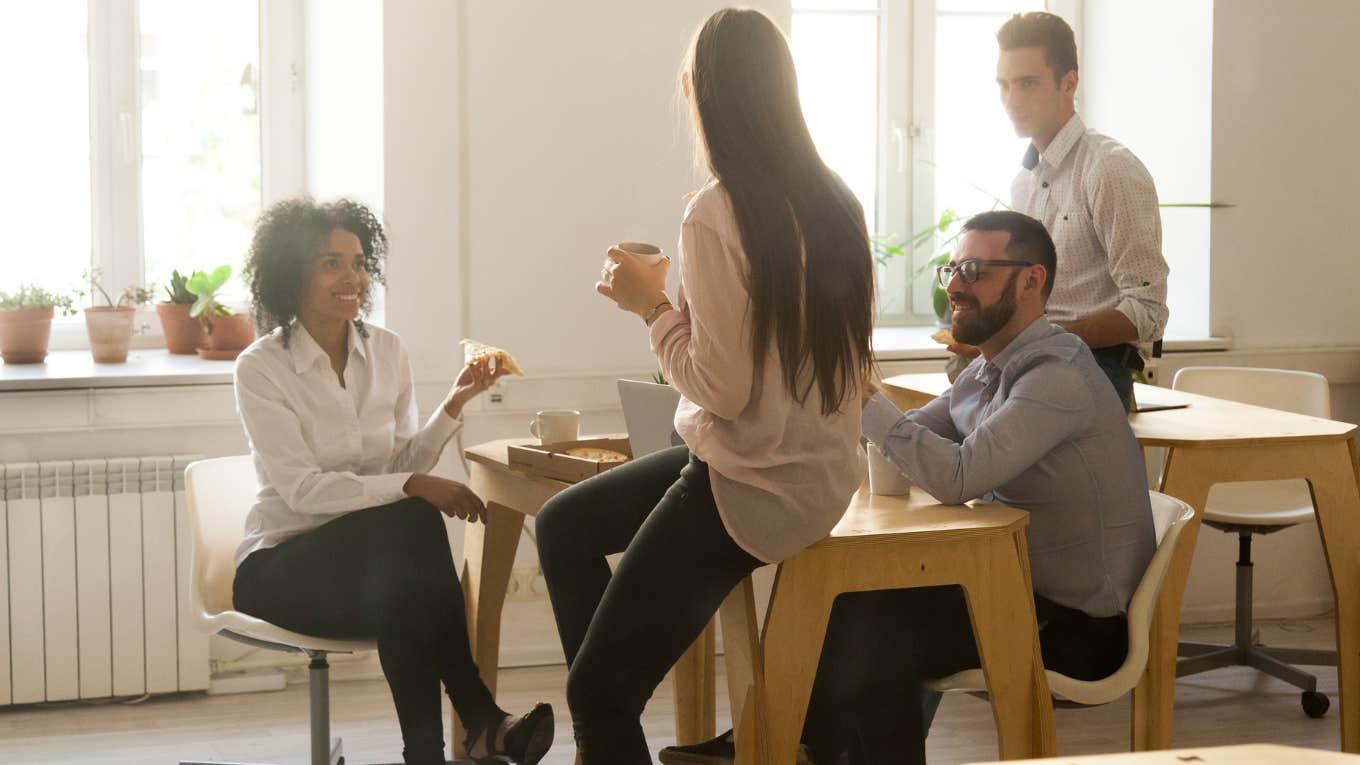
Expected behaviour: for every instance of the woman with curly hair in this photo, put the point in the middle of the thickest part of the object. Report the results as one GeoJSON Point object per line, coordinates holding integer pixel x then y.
{"type": "Point", "coordinates": [345, 539]}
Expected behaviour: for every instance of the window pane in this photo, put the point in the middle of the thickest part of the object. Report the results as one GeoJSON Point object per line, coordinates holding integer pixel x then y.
{"type": "Point", "coordinates": [200, 68]}
{"type": "Point", "coordinates": [976, 151]}
{"type": "Point", "coordinates": [835, 5]}
{"type": "Point", "coordinates": [45, 144]}
{"type": "Point", "coordinates": [837, 60]}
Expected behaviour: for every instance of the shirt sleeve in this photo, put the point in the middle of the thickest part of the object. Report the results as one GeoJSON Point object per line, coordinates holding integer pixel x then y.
{"type": "Point", "coordinates": [704, 346]}
{"type": "Point", "coordinates": [1128, 224]}
{"type": "Point", "coordinates": [289, 465]}
{"type": "Point", "coordinates": [417, 451]}
{"type": "Point", "coordinates": [1044, 408]}
{"type": "Point", "coordinates": [881, 416]}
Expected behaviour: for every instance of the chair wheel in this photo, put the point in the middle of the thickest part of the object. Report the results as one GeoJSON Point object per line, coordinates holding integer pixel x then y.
{"type": "Point", "coordinates": [1314, 704]}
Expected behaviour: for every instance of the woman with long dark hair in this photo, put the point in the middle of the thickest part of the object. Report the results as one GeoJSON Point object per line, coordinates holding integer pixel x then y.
{"type": "Point", "coordinates": [767, 341]}
{"type": "Point", "coordinates": [345, 539]}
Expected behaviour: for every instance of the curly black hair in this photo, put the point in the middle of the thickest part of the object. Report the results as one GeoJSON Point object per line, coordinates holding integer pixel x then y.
{"type": "Point", "coordinates": [291, 233]}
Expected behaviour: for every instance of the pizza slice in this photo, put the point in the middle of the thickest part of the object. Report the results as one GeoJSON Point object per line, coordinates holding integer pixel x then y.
{"type": "Point", "coordinates": [597, 454]}
{"type": "Point", "coordinates": [474, 351]}
{"type": "Point", "coordinates": [943, 337]}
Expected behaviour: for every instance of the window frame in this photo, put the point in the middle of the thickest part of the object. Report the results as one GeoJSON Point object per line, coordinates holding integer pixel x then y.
{"type": "Point", "coordinates": [905, 199]}
{"type": "Point", "coordinates": [116, 240]}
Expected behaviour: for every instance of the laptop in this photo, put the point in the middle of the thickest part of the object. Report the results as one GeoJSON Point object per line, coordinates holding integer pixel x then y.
{"type": "Point", "coordinates": [649, 413]}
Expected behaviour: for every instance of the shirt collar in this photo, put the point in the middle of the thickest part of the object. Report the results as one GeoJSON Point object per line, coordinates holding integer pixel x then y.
{"type": "Point", "coordinates": [1058, 148]}
{"type": "Point", "coordinates": [307, 353]}
{"type": "Point", "coordinates": [991, 370]}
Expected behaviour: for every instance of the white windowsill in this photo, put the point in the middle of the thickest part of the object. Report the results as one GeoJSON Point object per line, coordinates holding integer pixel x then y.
{"type": "Point", "coordinates": [66, 370]}
{"type": "Point", "coordinates": [914, 344]}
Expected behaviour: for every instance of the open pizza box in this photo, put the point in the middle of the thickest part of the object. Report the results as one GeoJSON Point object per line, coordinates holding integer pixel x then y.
{"type": "Point", "coordinates": [552, 460]}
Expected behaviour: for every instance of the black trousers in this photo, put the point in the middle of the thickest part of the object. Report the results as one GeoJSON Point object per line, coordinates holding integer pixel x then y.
{"type": "Point", "coordinates": [386, 573]}
{"type": "Point", "coordinates": [881, 647]}
{"type": "Point", "coordinates": [1117, 364]}
{"type": "Point", "coordinates": [622, 632]}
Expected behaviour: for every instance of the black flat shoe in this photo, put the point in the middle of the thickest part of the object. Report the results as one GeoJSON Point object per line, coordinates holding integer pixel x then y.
{"type": "Point", "coordinates": [526, 741]}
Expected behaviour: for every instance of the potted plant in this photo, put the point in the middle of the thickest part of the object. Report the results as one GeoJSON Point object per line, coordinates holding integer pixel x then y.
{"type": "Point", "coordinates": [183, 333]}
{"type": "Point", "coordinates": [228, 332]}
{"type": "Point", "coordinates": [948, 227]}
{"type": "Point", "coordinates": [109, 326]}
{"type": "Point", "coordinates": [26, 322]}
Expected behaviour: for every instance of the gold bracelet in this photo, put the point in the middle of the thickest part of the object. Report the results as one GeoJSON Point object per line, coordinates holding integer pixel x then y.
{"type": "Point", "coordinates": [651, 316]}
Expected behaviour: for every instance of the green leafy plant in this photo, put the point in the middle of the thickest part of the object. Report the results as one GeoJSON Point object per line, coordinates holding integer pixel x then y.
{"type": "Point", "coordinates": [34, 296]}
{"type": "Point", "coordinates": [132, 295]}
{"type": "Point", "coordinates": [659, 378]}
{"type": "Point", "coordinates": [947, 231]}
{"type": "Point", "coordinates": [178, 289]}
{"type": "Point", "coordinates": [206, 286]}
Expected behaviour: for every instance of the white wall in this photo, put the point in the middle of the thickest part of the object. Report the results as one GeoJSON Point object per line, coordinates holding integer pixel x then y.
{"type": "Point", "coordinates": [1286, 109]}
{"type": "Point", "coordinates": [1146, 74]}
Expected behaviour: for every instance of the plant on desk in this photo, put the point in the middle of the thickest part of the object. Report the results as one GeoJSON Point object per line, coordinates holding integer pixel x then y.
{"type": "Point", "coordinates": [183, 333]}
{"type": "Point", "coordinates": [228, 332]}
{"type": "Point", "coordinates": [109, 326]}
{"type": "Point", "coordinates": [26, 322]}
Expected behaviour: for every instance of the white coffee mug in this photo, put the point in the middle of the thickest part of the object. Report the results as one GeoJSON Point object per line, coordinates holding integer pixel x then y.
{"type": "Point", "coordinates": [644, 251]}
{"type": "Point", "coordinates": [553, 426]}
{"type": "Point", "coordinates": [884, 477]}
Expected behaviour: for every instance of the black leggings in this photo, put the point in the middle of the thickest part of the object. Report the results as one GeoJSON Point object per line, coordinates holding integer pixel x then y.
{"type": "Point", "coordinates": [621, 633]}
{"type": "Point", "coordinates": [384, 573]}
{"type": "Point", "coordinates": [882, 646]}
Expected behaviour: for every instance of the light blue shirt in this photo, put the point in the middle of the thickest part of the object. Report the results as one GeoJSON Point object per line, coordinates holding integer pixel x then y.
{"type": "Point", "coordinates": [1038, 428]}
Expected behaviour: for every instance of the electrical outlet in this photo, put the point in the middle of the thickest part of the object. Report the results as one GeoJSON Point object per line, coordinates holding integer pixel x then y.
{"type": "Point", "coordinates": [526, 584]}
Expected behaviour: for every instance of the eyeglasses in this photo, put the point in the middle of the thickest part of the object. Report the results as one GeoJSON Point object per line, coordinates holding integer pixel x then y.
{"type": "Point", "coordinates": [969, 270]}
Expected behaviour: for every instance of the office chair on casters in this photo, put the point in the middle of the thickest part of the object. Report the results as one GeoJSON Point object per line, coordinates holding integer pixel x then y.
{"type": "Point", "coordinates": [1258, 507]}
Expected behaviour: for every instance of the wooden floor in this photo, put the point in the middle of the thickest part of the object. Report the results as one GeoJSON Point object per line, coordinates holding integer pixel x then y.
{"type": "Point", "coordinates": [1223, 707]}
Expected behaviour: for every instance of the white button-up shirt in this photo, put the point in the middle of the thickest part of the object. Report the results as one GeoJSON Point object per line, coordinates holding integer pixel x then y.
{"type": "Point", "coordinates": [1099, 204]}
{"type": "Point", "coordinates": [322, 450]}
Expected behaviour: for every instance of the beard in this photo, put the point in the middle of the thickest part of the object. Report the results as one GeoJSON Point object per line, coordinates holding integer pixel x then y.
{"type": "Point", "coordinates": [985, 322]}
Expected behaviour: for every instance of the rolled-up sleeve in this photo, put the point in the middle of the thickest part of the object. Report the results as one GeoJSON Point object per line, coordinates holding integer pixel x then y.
{"type": "Point", "coordinates": [289, 465]}
{"type": "Point", "coordinates": [704, 346]}
{"type": "Point", "coordinates": [1128, 223]}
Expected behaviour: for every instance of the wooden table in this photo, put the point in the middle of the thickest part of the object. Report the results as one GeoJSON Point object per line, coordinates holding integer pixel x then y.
{"type": "Point", "coordinates": [891, 543]}
{"type": "Point", "coordinates": [488, 557]}
{"type": "Point", "coordinates": [1216, 441]}
{"type": "Point", "coordinates": [1249, 754]}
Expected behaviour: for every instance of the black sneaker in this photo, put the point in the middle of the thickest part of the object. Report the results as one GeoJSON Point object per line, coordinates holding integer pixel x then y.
{"type": "Point", "coordinates": [719, 751]}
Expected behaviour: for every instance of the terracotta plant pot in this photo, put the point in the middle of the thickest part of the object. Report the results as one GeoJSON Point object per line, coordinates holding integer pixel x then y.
{"type": "Point", "coordinates": [229, 336]}
{"type": "Point", "coordinates": [110, 333]}
{"type": "Point", "coordinates": [24, 335]}
{"type": "Point", "coordinates": [183, 333]}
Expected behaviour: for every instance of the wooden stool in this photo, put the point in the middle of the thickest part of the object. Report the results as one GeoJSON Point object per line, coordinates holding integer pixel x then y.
{"type": "Point", "coordinates": [890, 543]}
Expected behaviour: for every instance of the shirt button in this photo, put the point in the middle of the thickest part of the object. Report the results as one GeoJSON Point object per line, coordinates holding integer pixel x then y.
{"type": "Point", "coordinates": [1044, 184]}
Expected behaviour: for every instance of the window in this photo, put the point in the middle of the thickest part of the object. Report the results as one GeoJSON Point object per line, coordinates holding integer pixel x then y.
{"type": "Point", "coordinates": [147, 153]}
{"type": "Point", "coordinates": [900, 96]}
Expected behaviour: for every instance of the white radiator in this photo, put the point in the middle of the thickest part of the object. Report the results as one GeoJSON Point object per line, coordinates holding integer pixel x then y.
{"type": "Point", "coordinates": [94, 588]}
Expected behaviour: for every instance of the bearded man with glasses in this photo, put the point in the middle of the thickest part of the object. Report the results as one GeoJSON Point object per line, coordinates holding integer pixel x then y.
{"type": "Point", "coordinates": [1033, 423]}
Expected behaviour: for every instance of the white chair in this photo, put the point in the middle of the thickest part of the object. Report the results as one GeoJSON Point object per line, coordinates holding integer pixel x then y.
{"type": "Point", "coordinates": [220, 493]}
{"type": "Point", "coordinates": [1258, 507]}
{"type": "Point", "coordinates": [1169, 516]}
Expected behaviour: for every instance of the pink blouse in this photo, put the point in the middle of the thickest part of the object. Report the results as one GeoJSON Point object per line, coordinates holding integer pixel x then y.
{"type": "Point", "coordinates": [782, 472]}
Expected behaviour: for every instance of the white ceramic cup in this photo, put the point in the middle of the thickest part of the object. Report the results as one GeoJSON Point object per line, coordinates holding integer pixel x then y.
{"type": "Point", "coordinates": [553, 426]}
{"type": "Point", "coordinates": [884, 477]}
{"type": "Point", "coordinates": [647, 253]}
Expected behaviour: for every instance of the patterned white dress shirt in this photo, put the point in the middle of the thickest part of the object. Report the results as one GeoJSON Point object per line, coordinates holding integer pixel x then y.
{"type": "Point", "coordinates": [1099, 204]}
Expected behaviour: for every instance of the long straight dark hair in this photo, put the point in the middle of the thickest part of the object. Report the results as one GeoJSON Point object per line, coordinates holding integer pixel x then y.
{"type": "Point", "coordinates": [811, 274]}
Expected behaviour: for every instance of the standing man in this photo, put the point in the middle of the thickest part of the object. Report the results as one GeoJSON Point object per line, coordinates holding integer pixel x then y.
{"type": "Point", "coordinates": [1092, 194]}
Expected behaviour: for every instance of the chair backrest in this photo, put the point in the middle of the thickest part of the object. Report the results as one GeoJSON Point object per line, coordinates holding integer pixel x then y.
{"type": "Point", "coordinates": [1169, 516]}
{"type": "Point", "coordinates": [220, 493]}
{"type": "Point", "coordinates": [1283, 389]}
